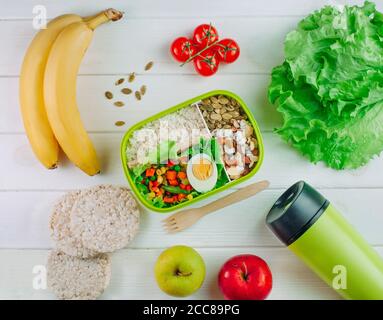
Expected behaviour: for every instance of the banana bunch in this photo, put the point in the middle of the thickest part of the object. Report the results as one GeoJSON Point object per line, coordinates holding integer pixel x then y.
{"type": "Point", "coordinates": [48, 90]}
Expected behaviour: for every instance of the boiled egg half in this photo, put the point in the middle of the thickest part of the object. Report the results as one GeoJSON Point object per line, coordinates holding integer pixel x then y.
{"type": "Point", "coordinates": [202, 172]}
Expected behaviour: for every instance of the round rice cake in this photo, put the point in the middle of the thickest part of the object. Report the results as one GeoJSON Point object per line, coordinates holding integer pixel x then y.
{"type": "Point", "coordinates": [61, 233]}
{"type": "Point", "coordinates": [72, 278]}
{"type": "Point", "coordinates": [105, 218]}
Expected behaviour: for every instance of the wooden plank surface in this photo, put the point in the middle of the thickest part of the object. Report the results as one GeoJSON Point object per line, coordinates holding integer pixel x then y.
{"type": "Point", "coordinates": [133, 277]}
{"type": "Point", "coordinates": [135, 42]}
{"type": "Point", "coordinates": [174, 8]}
{"type": "Point", "coordinates": [25, 224]}
{"type": "Point", "coordinates": [99, 114]}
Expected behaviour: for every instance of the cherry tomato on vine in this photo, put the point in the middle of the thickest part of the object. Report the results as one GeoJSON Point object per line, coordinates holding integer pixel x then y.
{"type": "Point", "coordinates": [227, 50]}
{"type": "Point", "coordinates": [182, 49]}
{"type": "Point", "coordinates": [206, 63]}
{"type": "Point", "coordinates": [204, 35]}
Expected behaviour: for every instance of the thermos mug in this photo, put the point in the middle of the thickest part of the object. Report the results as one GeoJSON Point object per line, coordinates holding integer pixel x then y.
{"type": "Point", "coordinates": [318, 234]}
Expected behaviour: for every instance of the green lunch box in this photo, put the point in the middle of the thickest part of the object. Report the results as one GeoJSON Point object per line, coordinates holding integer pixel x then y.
{"type": "Point", "coordinates": [321, 237]}
{"type": "Point", "coordinates": [187, 103]}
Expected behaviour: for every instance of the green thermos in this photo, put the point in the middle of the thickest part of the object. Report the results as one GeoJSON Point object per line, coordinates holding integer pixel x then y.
{"type": "Point", "coordinates": [319, 235]}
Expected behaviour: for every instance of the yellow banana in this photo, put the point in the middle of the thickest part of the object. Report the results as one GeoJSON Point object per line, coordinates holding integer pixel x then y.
{"type": "Point", "coordinates": [60, 90]}
{"type": "Point", "coordinates": [31, 94]}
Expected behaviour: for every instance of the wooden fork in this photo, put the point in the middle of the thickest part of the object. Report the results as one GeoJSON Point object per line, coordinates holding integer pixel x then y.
{"type": "Point", "coordinates": [186, 218]}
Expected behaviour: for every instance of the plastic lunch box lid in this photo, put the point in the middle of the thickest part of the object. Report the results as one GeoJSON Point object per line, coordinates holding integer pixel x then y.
{"type": "Point", "coordinates": [295, 211]}
{"type": "Point", "coordinates": [138, 125]}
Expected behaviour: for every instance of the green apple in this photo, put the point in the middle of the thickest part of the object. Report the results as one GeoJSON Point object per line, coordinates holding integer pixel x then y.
{"type": "Point", "coordinates": [180, 271]}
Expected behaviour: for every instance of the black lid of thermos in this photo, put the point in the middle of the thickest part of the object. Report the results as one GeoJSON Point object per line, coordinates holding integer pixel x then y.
{"type": "Point", "coordinates": [295, 211]}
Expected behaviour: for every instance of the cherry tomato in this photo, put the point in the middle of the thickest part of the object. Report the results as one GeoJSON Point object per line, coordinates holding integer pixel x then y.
{"type": "Point", "coordinates": [204, 35]}
{"type": "Point", "coordinates": [206, 63]}
{"type": "Point", "coordinates": [182, 49]}
{"type": "Point", "coordinates": [227, 50]}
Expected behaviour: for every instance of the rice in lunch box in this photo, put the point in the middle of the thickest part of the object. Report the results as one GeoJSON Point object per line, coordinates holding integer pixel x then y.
{"type": "Point", "coordinates": [185, 126]}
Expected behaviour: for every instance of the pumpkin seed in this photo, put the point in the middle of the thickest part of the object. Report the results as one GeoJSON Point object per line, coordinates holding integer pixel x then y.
{"type": "Point", "coordinates": [126, 91]}
{"type": "Point", "coordinates": [143, 90]}
{"type": "Point", "coordinates": [215, 116]}
{"type": "Point", "coordinates": [119, 104]}
{"type": "Point", "coordinates": [214, 100]}
{"type": "Point", "coordinates": [131, 77]}
{"type": "Point", "coordinates": [149, 65]}
{"type": "Point", "coordinates": [227, 116]}
{"type": "Point", "coordinates": [138, 95]}
{"type": "Point", "coordinates": [223, 100]}
{"type": "Point", "coordinates": [119, 123]}
{"type": "Point", "coordinates": [108, 95]}
{"type": "Point", "coordinates": [119, 81]}
{"type": "Point", "coordinates": [216, 105]}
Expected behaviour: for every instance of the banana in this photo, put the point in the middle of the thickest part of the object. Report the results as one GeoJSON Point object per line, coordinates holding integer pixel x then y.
{"type": "Point", "coordinates": [60, 90]}
{"type": "Point", "coordinates": [31, 95]}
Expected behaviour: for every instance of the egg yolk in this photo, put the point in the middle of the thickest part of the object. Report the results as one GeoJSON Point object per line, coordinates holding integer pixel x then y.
{"type": "Point", "coordinates": [203, 169]}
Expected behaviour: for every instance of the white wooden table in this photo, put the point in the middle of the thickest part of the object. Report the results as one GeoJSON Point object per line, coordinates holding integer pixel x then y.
{"type": "Point", "coordinates": [27, 190]}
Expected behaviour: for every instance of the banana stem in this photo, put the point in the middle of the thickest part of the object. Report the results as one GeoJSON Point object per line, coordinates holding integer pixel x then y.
{"type": "Point", "coordinates": [88, 18]}
{"type": "Point", "coordinates": [104, 16]}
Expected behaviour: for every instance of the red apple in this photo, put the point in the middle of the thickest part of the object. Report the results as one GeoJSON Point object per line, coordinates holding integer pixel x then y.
{"type": "Point", "coordinates": [245, 277]}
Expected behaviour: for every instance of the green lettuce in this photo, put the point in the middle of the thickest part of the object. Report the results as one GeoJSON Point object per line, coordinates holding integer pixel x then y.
{"type": "Point", "coordinates": [329, 89]}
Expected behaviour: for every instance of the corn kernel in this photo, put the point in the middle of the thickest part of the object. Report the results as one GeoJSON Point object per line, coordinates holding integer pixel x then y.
{"type": "Point", "coordinates": [151, 195]}
{"type": "Point", "coordinates": [158, 172]}
{"type": "Point", "coordinates": [189, 196]}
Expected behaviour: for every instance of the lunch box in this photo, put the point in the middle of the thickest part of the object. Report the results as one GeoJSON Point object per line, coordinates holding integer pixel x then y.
{"type": "Point", "coordinates": [139, 125]}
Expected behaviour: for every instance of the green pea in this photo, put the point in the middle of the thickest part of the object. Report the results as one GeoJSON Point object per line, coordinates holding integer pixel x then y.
{"type": "Point", "coordinates": [177, 168]}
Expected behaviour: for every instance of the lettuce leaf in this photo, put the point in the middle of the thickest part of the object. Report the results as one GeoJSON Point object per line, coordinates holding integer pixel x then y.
{"type": "Point", "coordinates": [137, 171]}
{"type": "Point", "coordinates": [329, 89]}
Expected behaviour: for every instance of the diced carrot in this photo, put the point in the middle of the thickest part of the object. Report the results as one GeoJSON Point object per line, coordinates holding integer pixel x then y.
{"type": "Point", "coordinates": [168, 199]}
{"type": "Point", "coordinates": [173, 182]}
{"type": "Point", "coordinates": [181, 196]}
{"type": "Point", "coordinates": [182, 186]}
{"type": "Point", "coordinates": [171, 175]}
{"type": "Point", "coordinates": [150, 172]}
{"type": "Point", "coordinates": [150, 185]}
{"type": "Point", "coordinates": [181, 175]}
